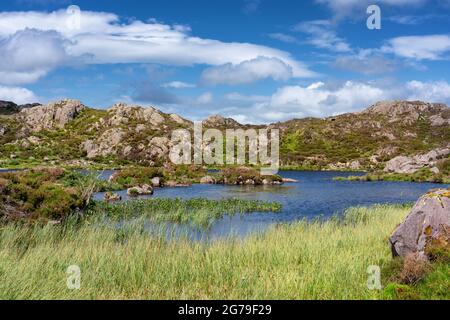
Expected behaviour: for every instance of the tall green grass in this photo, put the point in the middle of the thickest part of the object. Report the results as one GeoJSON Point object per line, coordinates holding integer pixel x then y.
{"type": "Point", "coordinates": [198, 212]}
{"type": "Point", "coordinates": [305, 260]}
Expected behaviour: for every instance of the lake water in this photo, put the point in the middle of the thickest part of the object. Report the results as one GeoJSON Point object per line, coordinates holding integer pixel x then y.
{"type": "Point", "coordinates": [315, 195]}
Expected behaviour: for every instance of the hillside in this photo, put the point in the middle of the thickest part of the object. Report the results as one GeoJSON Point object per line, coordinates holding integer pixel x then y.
{"type": "Point", "coordinates": [70, 133]}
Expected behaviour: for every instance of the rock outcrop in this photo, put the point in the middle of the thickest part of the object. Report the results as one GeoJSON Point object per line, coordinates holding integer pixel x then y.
{"type": "Point", "coordinates": [407, 111]}
{"type": "Point", "coordinates": [215, 121]}
{"type": "Point", "coordinates": [107, 144]}
{"type": "Point", "coordinates": [122, 114]}
{"type": "Point", "coordinates": [429, 220]}
{"type": "Point", "coordinates": [51, 116]}
{"type": "Point", "coordinates": [403, 164]}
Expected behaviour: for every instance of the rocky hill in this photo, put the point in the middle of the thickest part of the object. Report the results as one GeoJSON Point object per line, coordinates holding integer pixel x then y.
{"type": "Point", "coordinates": [70, 133]}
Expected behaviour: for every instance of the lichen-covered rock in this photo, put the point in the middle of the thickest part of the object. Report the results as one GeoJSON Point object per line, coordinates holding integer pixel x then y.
{"type": "Point", "coordinates": [51, 116]}
{"type": "Point", "coordinates": [427, 220]}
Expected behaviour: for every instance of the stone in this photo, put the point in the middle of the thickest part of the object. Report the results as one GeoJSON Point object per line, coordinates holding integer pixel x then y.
{"type": "Point", "coordinates": [288, 180]}
{"type": "Point", "coordinates": [156, 182]}
{"type": "Point", "coordinates": [207, 180]}
{"type": "Point", "coordinates": [429, 217]}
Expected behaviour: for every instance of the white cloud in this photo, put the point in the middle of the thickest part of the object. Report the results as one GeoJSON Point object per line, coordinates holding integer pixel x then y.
{"type": "Point", "coordinates": [366, 61]}
{"type": "Point", "coordinates": [247, 72]}
{"type": "Point", "coordinates": [357, 8]}
{"type": "Point", "coordinates": [322, 35]}
{"type": "Point", "coordinates": [320, 100]}
{"type": "Point", "coordinates": [102, 37]}
{"type": "Point", "coordinates": [435, 91]}
{"type": "Point", "coordinates": [234, 96]}
{"type": "Point", "coordinates": [178, 85]}
{"type": "Point", "coordinates": [17, 95]}
{"type": "Point", "coordinates": [29, 54]}
{"type": "Point", "coordinates": [428, 47]}
{"type": "Point", "coordinates": [283, 37]}
{"type": "Point", "coordinates": [205, 98]}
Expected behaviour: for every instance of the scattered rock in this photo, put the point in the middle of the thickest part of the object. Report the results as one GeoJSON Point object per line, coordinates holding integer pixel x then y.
{"type": "Point", "coordinates": [174, 184]}
{"type": "Point", "coordinates": [145, 189]}
{"type": "Point", "coordinates": [156, 182]}
{"type": "Point", "coordinates": [288, 180]}
{"type": "Point", "coordinates": [429, 218]}
{"type": "Point", "coordinates": [208, 180]}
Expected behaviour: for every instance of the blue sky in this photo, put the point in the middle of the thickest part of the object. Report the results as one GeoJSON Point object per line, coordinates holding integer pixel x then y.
{"type": "Point", "coordinates": [257, 61]}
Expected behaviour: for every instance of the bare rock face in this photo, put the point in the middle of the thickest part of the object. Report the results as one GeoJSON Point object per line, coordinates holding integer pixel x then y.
{"type": "Point", "coordinates": [407, 111]}
{"type": "Point", "coordinates": [428, 220]}
{"type": "Point", "coordinates": [105, 145]}
{"type": "Point", "coordinates": [179, 119]}
{"type": "Point", "coordinates": [159, 147]}
{"type": "Point", "coordinates": [51, 116]}
{"type": "Point", "coordinates": [403, 164]}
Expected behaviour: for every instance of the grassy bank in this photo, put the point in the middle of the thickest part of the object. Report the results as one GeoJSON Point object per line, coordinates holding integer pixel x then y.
{"type": "Point", "coordinates": [325, 260]}
{"type": "Point", "coordinates": [423, 175]}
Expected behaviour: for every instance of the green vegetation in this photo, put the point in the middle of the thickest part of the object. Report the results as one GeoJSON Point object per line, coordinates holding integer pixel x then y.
{"type": "Point", "coordinates": [194, 212]}
{"type": "Point", "coordinates": [423, 175]}
{"type": "Point", "coordinates": [240, 175]}
{"type": "Point", "coordinates": [319, 260]}
{"type": "Point", "coordinates": [43, 194]}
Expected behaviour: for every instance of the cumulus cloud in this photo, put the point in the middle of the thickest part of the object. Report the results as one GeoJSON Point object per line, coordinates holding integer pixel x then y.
{"type": "Point", "coordinates": [102, 37]}
{"type": "Point", "coordinates": [247, 72]}
{"type": "Point", "coordinates": [29, 54]}
{"type": "Point", "coordinates": [322, 35]}
{"type": "Point", "coordinates": [17, 95]}
{"type": "Point", "coordinates": [434, 91]}
{"type": "Point", "coordinates": [428, 47]}
{"type": "Point", "coordinates": [320, 100]}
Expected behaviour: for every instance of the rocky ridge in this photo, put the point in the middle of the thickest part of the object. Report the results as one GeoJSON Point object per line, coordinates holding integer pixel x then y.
{"type": "Point", "coordinates": [68, 131]}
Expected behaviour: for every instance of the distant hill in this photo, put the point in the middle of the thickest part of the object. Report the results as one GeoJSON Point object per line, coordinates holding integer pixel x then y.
{"type": "Point", "coordinates": [8, 107]}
